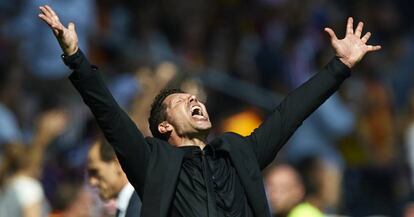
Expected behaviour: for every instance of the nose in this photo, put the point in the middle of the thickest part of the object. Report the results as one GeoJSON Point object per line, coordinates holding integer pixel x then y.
{"type": "Point", "coordinates": [193, 98]}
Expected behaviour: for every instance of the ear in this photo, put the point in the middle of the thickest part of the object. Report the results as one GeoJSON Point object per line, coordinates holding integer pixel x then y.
{"type": "Point", "coordinates": [165, 127]}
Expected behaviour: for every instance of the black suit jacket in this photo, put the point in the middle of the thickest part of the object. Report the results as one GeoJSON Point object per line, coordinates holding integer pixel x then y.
{"type": "Point", "coordinates": [152, 165]}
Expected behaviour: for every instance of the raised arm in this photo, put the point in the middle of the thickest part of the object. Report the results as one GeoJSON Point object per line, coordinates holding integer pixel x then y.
{"type": "Point", "coordinates": [130, 146]}
{"type": "Point", "coordinates": [273, 133]}
{"type": "Point", "coordinates": [50, 125]}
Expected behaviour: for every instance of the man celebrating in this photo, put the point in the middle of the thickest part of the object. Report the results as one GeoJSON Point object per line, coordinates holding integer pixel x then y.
{"type": "Point", "coordinates": [106, 174]}
{"type": "Point", "coordinates": [179, 173]}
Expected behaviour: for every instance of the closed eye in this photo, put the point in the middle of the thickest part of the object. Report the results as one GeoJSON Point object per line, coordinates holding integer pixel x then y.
{"type": "Point", "coordinates": [92, 172]}
{"type": "Point", "coordinates": [178, 101]}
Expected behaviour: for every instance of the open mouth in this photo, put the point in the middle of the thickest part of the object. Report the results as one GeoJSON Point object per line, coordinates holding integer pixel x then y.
{"type": "Point", "coordinates": [197, 113]}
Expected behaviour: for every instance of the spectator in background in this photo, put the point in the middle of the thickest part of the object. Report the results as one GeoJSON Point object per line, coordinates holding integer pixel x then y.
{"type": "Point", "coordinates": [72, 199]}
{"type": "Point", "coordinates": [320, 197]}
{"type": "Point", "coordinates": [9, 90]}
{"type": "Point", "coordinates": [409, 137]}
{"type": "Point", "coordinates": [407, 208]}
{"type": "Point", "coordinates": [21, 194]}
{"type": "Point", "coordinates": [150, 83]}
{"type": "Point", "coordinates": [106, 174]}
{"type": "Point", "coordinates": [319, 136]}
{"type": "Point", "coordinates": [375, 128]}
{"type": "Point", "coordinates": [284, 189]}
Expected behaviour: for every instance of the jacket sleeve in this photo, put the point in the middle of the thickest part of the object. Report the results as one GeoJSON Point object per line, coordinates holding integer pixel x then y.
{"type": "Point", "coordinates": [121, 132]}
{"type": "Point", "coordinates": [273, 133]}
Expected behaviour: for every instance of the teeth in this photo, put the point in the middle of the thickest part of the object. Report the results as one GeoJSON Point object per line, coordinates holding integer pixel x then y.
{"type": "Point", "coordinates": [196, 110]}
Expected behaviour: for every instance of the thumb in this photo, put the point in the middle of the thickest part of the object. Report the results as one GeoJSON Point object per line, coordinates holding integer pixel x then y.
{"type": "Point", "coordinates": [331, 34]}
{"type": "Point", "coordinates": [71, 27]}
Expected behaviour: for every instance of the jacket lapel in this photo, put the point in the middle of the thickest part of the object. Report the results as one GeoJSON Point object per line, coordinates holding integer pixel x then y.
{"type": "Point", "coordinates": [134, 206]}
{"type": "Point", "coordinates": [245, 163]}
{"type": "Point", "coordinates": [162, 179]}
{"type": "Point", "coordinates": [171, 178]}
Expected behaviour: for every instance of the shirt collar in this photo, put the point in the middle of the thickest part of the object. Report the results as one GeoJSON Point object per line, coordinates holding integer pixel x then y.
{"type": "Point", "coordinates": [195, 151]}
{"type": "Point", "coordinates": [124, 196]}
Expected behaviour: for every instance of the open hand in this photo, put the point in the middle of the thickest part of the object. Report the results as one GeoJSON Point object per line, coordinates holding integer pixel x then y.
{"type": "Point", "coordinates": [352, 48]}
{"type": "Point", "coordinates": [67, 37]}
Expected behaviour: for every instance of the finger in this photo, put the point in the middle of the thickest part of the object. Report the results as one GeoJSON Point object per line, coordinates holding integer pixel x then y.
{"type": "Point", "coordinates": [45, 11]}
{"type": "Point", "coordinates": [55, 28]}
{"type": "Point", "coordinates": [53, 18]}
{"type": "Point", "coordinates": [58, 29]}
{"type": "Point", "coordinates": [358, 31]}
{"type": "Point", "coordinates": [350, 26]}
{"type": "Point", "coordinates": [49, 22]}
{"type": "Point", "coordinates": [366, 37]}
{"type": "Point", "coordinates": [52, 12]}
{"type": "Point", "coordinates": [331, 34]}
{"type": "Point", "coordinates": [373, 48]}
{"type": "Point", "coordinates": [71, 26]}
{"type": "Point", "coordinates": [49, 18]}
{"type": "Point", "coordinates": [45, 19]}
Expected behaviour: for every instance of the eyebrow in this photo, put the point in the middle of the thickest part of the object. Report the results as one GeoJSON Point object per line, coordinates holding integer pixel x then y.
{"type": "Point", "coordinates": [174, 101]}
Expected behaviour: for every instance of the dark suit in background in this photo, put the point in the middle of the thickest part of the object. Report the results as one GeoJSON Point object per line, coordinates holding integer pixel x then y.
{"type": "Point", "coordinates": [134, 206]}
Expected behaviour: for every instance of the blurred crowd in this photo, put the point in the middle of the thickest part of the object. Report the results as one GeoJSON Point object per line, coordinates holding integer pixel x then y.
{"type": "Point", "coordinates": [353, 157]}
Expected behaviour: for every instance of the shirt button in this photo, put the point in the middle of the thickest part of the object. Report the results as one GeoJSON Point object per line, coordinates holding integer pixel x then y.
{"type": "Point", "coordinates": [213, 177]}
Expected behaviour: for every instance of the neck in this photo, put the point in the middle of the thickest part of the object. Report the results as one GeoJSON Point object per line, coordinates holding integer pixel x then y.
{"type": "Point", "coordinates": [122, 183]}
{"type": "Point", "coordinates": [187, 141]}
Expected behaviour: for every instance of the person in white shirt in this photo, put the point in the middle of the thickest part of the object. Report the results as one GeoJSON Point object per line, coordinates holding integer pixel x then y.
{"type": "Point", "coordinates": [106, 174]}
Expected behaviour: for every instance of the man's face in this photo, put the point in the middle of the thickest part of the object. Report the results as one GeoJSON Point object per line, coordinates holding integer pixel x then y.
{"type": "Point", "coordinates": [105, 176]}
{"type": "Point", "coordinates": [186, 114]}
{"type": "Point", "coordinates": [284, 189]}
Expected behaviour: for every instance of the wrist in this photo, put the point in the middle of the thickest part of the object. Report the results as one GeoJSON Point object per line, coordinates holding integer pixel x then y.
{"type": "Point", "coordinates": [347, 62]}
{"type": "Point", "coordinates": [70, 51]}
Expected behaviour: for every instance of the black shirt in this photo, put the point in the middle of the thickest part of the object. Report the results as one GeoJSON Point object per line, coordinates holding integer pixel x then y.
{"type": "Point", "coordinates": [209, 186]}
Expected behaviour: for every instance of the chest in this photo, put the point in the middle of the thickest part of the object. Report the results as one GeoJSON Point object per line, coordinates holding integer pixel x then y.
{"type": "Point", "coordinates": [210, 184]}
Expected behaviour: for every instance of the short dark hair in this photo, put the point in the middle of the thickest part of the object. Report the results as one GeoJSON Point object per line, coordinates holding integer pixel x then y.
{"type": "Point", "coordinates": [106, 152]}
{"type": "Point", "coordinates": [158, 114]}
{"type": "Point", "coordinates": [308, 168]}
